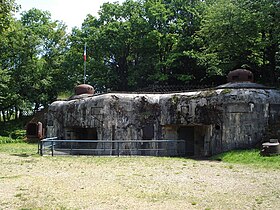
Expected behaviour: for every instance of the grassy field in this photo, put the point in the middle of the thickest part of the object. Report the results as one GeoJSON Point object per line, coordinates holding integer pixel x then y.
{"type": "Point", "coordinates": [29, 181]}
{"type": "Point", "coordinates": [250, 158]}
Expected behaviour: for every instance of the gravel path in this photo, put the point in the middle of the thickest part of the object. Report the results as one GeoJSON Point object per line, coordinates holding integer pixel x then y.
{"type": "Point", "coordinates": [134, 183]}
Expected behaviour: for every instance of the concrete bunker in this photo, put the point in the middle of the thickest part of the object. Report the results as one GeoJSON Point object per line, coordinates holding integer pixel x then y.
{"type": "Point", "coordinates": [237, 115]}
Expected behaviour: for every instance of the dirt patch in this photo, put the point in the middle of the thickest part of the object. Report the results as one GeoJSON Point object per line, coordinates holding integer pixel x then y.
{"type": "Point", "coordinates": [28, 182]}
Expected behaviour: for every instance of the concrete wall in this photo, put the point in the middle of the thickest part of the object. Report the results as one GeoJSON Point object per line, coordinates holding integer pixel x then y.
{"type": "Point", "coordinates": [221, 120]}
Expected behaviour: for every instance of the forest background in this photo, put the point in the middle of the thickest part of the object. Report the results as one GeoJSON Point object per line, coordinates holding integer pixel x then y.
{"type": "Point", "coordinates": [133, 45]}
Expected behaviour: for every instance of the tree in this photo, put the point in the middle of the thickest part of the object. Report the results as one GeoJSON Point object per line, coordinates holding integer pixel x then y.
{"type": "Point", "coordinates": [266, 13]}
{"type": "Point", "coordinates": [183, 22]}
{"type": "Point", "coordinates": [115, 40]}
{"type": "Point", "coordinates": [235, 33]}
{"type": "Point", "coordinates": [140, 43]}
{"type": "Point", "coordinates": [43, 46]}
{"type": "Point", "coordinates": [31, 54]}
{"type": "Point", "coordinates": [114, 43]}
{"type": "Point", "coordinates": [72, 65]}
{"type": "Point", "coordinates": [7, 7]}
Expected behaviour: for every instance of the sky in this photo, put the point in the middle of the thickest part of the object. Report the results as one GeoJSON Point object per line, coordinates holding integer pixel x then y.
{"type": "Point", "coordinates": [71, 12]}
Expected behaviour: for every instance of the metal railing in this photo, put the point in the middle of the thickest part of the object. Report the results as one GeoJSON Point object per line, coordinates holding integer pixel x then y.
{"type": "Point", "coordinates": [54, 146]}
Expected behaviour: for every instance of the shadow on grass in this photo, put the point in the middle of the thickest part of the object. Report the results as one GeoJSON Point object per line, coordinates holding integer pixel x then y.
{"type": "Point", "coordinates": [22, 155]}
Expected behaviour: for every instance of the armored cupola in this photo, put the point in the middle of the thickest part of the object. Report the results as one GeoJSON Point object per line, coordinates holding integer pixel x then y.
{"type": "Point", "coordinates": [241, 78]}
{"type": "Point", "coordinates": [240, 75]}
{"type": "Point", "coordinates": [84, 89]}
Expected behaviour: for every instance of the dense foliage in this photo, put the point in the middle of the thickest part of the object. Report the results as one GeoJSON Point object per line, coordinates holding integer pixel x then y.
{"type": "Point", "coordinates": [133, 45]}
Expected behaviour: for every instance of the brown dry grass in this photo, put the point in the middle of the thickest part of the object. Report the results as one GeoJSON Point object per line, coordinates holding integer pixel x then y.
{"type": "Point", "coordinates": [33, 182]}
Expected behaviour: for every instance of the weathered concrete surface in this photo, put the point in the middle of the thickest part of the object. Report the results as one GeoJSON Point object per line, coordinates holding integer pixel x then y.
{"type": "Point", "coordinates": [209, 121]}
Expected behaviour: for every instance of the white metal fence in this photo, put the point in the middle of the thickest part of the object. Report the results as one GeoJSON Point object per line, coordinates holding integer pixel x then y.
{"type": "Point", "coordinates": [55, 146]}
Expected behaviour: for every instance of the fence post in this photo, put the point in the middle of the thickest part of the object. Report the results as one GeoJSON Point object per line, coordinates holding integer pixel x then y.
{"type": "Point", "coordinates": [137, 145]}
{"type": "Point", "coordinates": [118, 149]}
{"type": "Point", "coordinates": [157, 151]}
{"type": "Point", "coordinates": [40, 145]}
{"type": "Point", "coordinates": [52, 148]}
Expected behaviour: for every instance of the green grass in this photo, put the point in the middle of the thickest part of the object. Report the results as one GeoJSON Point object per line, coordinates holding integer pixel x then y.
{"type": "Point", "coordinates": [250, 157]}
{"type": "Point", "coordinates": [20, 148]}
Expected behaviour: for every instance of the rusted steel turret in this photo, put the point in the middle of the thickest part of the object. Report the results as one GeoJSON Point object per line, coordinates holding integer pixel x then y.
{"type": "Point", "coordinates": [241, 78]}
{"type": "Point", "coordinates": [240, 75]}
{"type": "Point", "coordinates": [83, 91]}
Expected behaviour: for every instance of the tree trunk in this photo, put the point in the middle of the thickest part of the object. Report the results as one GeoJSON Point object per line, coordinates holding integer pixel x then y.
{"type": "Point", "coordinates": [16, 113]}
{"type": "Point", "coordinates": [20, 113]}
{"type": "Point", "coordinates": [36, 108]}
{"type": "Point", "coordinates": [4, 116]}
{"type": "Point", "coordinates": [9, 115]}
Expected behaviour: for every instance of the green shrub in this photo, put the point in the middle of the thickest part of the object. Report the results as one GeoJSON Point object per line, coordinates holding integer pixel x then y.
{"type": "Point", "coordinates": [18, 134]}
{"type": "Point", "coordinates": [8, 127]}
{"type": "Point", "coordinates": [6, 140]}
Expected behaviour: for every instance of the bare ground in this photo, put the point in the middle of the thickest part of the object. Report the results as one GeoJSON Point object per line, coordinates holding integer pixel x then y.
{"type": "Point", "coordinates": [28, 182]}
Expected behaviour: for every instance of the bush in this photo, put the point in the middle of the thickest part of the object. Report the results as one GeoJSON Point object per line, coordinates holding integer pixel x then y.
{"type": "Point", "coordinates": [18, 134]}
{"type": "Point", "coordinates": [8, 127]}
{"type": "Point", "coordinates": [6, 140]}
